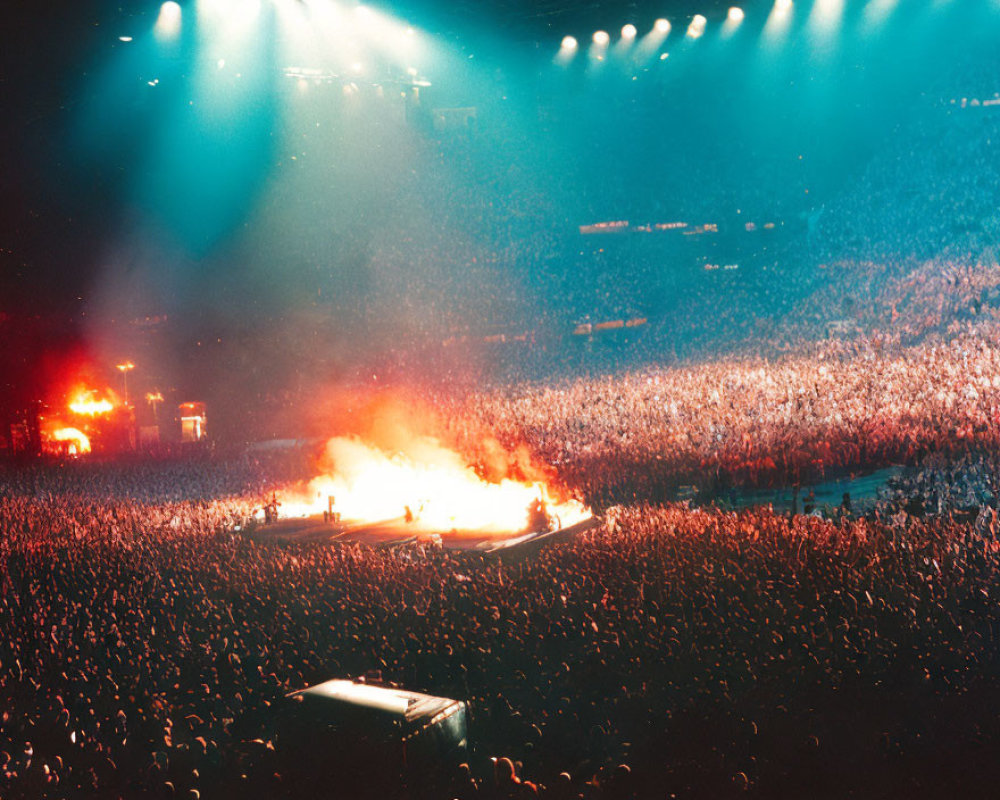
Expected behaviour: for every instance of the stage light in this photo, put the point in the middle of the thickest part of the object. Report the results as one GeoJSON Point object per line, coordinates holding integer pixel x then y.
{"type": "Point", "coordinates": [649, 45]}
{"type": "Point", "coordinates": [168, 23]}
{"type": "Point", "coordinates": [629, 31]}
{"type": "Point", "coordinates": [567, 50]}
{"type": "Point", "coordinates": [778, 20]}
{"type": "Point", "coordinates": [601, 38]}
{"type": "Point", "coordinates": [733, 21]}
{"type": "Point", "coordinates": [697, 26]}
{"type": "Point", "coordinates": [124, 38]}
{"type": "Point", "coordinates": [825, 17]}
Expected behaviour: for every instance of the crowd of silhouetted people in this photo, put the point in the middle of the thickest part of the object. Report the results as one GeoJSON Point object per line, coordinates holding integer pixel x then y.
{"type": "Point", "coordinates": [151, 632]}
{"type": "Point", "coordinates": [149, 640]}
{"type": "Point", "coordinates": [641, 434]}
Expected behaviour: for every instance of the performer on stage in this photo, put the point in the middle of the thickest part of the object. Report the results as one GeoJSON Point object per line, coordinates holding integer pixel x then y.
{"type": "Point", "coordinates": [271, 509]}
{"type": "Point", "coordinates": [538, 517]}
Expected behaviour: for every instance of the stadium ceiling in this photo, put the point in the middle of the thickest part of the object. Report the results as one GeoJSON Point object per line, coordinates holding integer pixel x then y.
{"type": "Point", "coordinates": [45, 57]}
{"type": "Point", "coordinates": [543, 19]}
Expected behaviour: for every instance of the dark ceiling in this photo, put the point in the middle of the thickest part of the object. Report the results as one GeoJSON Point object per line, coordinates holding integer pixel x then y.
{"type": "Point", "coordinates": [547, 19]}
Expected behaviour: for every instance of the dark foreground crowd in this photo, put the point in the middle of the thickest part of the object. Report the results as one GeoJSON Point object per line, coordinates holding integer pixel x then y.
{"type": "Point", "coordinates": [674, 652]}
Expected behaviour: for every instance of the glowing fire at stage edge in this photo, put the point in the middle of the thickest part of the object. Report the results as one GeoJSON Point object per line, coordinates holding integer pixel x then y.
{"type": "Point", "coordinates": [79, 441]}
{"type": "Point", "coordinates": [441, 491]}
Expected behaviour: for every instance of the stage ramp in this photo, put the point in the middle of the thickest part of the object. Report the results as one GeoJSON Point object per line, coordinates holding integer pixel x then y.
{"type": "Point", "coordinates": [398, 532]}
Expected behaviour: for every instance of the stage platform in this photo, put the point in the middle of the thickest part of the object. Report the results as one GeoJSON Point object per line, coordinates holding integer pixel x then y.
{"type": "Point", "coordinates": [398, 532]}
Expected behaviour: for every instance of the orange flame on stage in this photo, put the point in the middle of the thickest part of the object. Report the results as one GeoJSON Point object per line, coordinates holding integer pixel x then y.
{"type": "Point", "coordinates": [79, 441]}
{"type": "Point", "coordinates": [86, 403]}
{"type": "Point", "coordinates": [438, 488]}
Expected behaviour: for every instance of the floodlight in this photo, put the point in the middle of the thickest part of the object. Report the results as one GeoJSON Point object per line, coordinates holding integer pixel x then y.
{"type": "Point", "coordinates": [168, 23]}
{"type": "Point", "coordinates": [697, 26]}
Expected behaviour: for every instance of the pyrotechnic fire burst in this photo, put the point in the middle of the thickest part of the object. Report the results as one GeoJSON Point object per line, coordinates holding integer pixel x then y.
{"type": "Point", "coordinates": [432, 484]}
{"type": "Point", "coordinates": [79, 441]}
{"type": "Point", "coordinates": [87, 403]}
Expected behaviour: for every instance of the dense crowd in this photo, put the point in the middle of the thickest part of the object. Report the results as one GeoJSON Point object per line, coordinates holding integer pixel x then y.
{"type": "Point", "coordinates": [150, 636]}
{"type": "Point", "coordinates": [150, 632]}
{"type": "Point", "coordinates": [938, 485]}
{"type": "Point", "coordinates": [673, 652]}
{"type": "Point", "coordinates": [903, 254]}
{"type": "Point", "coordinates": [641, 434]}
